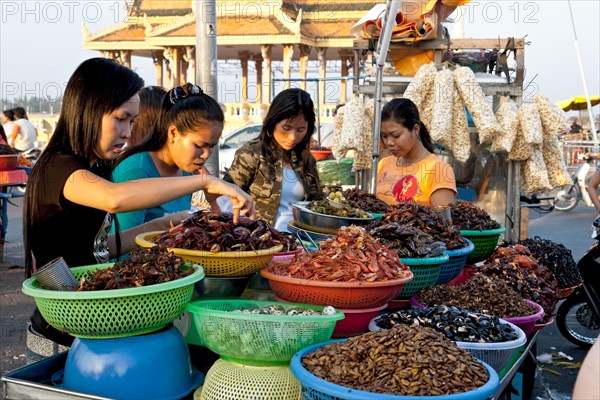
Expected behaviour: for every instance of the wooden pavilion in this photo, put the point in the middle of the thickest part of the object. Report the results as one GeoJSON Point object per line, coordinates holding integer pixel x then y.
{"type": "Point", "coordinates": [257, 33]}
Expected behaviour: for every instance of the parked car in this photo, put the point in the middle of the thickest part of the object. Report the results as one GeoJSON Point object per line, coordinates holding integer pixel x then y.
{"type": "Point", "coordinates": [236, 139]}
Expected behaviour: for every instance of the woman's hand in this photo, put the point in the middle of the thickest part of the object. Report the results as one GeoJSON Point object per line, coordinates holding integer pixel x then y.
{"type": "Point", "coordinates": [210, 198]}
{"type": "Point", "coordinates": [242, 202]}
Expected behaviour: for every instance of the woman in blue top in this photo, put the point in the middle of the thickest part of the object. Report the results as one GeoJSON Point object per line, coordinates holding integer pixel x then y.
{"type": "Point", "coordinates": [186, 132]}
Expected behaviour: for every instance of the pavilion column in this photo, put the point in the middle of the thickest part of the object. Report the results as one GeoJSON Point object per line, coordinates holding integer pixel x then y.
{"type": "Point", "coordinates": [258, 60]}
{"type": "Point", "coordinates": [157, 59]}
{"type": "Point", "coordinates": [321, 55]}
{"type": "Point", "coordinates": [169, 64]}
{"type": "Point", "coordinates": [288, 52]}
{"type": "Point", "coordinates": [244, 56]}
{"type": "Point", "coordinates": [304, 53]}
{"type": "Point", "coordinates": [189, 58]}
{"type": "Point", "coordinates": [267, 52]}
{"type": "Point", "coordinates": [346, 57]}
{"type": "Point", "coordinates": [125, 58]}
{"type": "Point", "coordinates": [177, 53]}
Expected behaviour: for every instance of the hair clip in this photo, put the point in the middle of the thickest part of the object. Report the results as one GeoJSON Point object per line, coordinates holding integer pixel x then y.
{"type": "Point", "coordinates": [181, 92]}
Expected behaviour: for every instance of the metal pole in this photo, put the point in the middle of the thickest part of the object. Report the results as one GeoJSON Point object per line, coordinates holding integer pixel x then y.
{"type": "Point", "coordinates": [585, 88]}
{"type": "Point", "coordinates": [318, 116]}
{"type": "Point", "coordinates": [206, 60]}
{"type": "Point", "coordinates": [390, 19]}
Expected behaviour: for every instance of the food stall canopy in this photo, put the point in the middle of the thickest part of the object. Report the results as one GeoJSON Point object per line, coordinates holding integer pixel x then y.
{"type": "Point", "coordinates": [577, 103]}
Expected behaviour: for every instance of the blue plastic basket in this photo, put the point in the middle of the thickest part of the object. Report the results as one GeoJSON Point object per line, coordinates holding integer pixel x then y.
{"type": "Point", "coordinates": [314, 388]}
{"type": "Point", "coordinates": [456, 262]}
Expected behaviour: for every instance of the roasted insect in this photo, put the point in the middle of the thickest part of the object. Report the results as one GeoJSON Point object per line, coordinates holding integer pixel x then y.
{"type": "Point", "coordinates": [341, 208]}
{"type": "Point", "coordinates": [405, 360]}
{"type": "Point", "coordinates": [424, 219]}
{"type": "Point", "coordinates": [147, 266]}
{"type": "Point", "coordinates": [557, 258]}
{"type": "Point", "coordinates": [455, 323]}
{"type": "Point", "coordinates": [365, 201]}
{"type": "Point", "coordinates": [467, 216]}
{"type": "Point", "coordinates": [482, 294]}
{"type": "Point", "coordinates": [212, 232]}
{"type": "Point", "coordinates": [407, 241]}
{"type": "Point", "coordinates": [352, 255]}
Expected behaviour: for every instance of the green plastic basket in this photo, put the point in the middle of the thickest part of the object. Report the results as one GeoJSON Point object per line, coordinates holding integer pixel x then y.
{"type": "Point", "coordinates": [104, 314]}
{"type": "Point", "coordinates": [260, 339]}
{"type": "Point", "coordinates": [485, 243]}
{"type": "Point", "coordinates": [426, 272]}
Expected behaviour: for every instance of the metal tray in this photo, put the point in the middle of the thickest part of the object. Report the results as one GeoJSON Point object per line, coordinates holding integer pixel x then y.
{"type": "Point", "coordinates": [323, 223]}
{"type": "Point", "coordinates": [34, 382]}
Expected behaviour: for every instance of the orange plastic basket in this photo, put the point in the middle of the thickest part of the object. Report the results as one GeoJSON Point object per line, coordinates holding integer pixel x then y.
{"type": "Point", "coordinates": [336, 294]}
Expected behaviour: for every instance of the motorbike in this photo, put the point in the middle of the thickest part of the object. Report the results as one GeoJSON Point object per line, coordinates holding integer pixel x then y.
{"type": "Point", "coordinates": [578, 317]}
{"type": "Point", "coordinates": [567, 198]}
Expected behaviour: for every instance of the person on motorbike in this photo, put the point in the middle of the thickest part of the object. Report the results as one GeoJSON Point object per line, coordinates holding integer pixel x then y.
{"type": "Point", "coordinates": [593, 185]}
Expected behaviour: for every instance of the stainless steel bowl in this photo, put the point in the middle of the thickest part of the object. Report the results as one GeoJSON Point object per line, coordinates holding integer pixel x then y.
{"type": "Point", "coordinates": [220, 287]}
{"type": "Point", "coordinates": [323, 223]}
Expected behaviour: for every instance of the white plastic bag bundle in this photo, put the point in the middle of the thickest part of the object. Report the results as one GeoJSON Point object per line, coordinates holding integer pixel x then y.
{"type": "Point", "coordinates": [421, 84]}
{"type": "Point", "coordinates": [443, 102]}
{"type": "Point", "coordinates": [473, 97]}
{"type": "Point", "coordinates": [555, 163]}
{"type": "Point", "coordinates": [461, 140]}
{"type": "Point", "coordinates": [554, 119]}
{"type": "Point", "coordinates": [508, 118]}
{"type": "Point", "coordinates": [535, 175]}
{"type": "Point", "coordinates": [521, 150]}
{"type": "Point", "coordinates": [531, 124]}
{"type": "Point", "coordinates": [355, 134]}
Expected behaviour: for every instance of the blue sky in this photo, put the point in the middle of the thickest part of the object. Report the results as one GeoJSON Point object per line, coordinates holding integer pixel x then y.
{"type": "Point", "coordinates": [41, 41]}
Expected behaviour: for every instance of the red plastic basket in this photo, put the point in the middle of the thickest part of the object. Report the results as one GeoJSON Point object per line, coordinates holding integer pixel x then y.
{"type": "Point", "coordinates": [336, 294]}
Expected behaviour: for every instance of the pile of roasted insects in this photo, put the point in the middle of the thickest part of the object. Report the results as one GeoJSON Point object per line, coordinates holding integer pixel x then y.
{"type": "Point", "coordinates": [467, 216]}
{"type": "Point", "coordinates": [405, 360]}
{"type": "Point", "coordinates": [208, 231]}
{"type": "Point", "coordinates": [416, 231]}
{"type": "Point", "coordinates": [352, 255]}
{"type": "Point", "coordinates": [481, 294]}
{"type": "Point", "coordinates": [457, 324]}
{"type": "Point", "coordinates": [147, 266]}
{"type": "Point", "coordinates": [516, 266]}
{"type": "Point", "coordinates": [365, 201]}
{"type": "Point", "coordinates": [557, 258]}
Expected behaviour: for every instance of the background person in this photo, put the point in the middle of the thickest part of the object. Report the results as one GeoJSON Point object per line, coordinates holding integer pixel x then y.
{"type": "Point", "coordinates": [412, 172]}
{"type": "Point", "coordinates": [278, 168]}
{"type": "Point", "coordinates": [185, 134]}
{"type": "Point", "coordinates": [8, 121]}
{"type": "Point", "coordinates": [24, 134]}
{"type": "Point", "coordinates": [592, 185]}
{"type": "Point", "coordinates": [70, 199]}
{"type": "Point", "coordinates": [151, 98]}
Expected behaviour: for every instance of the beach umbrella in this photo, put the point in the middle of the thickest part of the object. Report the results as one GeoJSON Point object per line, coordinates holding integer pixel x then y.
{"type": "Point", "coordinates": [577, 103]}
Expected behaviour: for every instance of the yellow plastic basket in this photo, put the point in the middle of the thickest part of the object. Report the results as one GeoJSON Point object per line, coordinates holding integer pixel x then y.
{"type": "Point", "coordinates": [218, 264]}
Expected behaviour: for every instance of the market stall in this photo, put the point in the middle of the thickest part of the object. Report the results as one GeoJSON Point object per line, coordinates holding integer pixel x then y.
{"type": "Point", "coordinates": [350, 258]}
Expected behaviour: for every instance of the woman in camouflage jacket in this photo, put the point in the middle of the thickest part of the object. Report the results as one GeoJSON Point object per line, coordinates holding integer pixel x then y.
{"type": "Point", "coordinates": [278, 168]}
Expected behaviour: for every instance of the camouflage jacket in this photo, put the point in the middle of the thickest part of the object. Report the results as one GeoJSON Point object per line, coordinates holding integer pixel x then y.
{"type": "Point", "coordinates": [258, 170]}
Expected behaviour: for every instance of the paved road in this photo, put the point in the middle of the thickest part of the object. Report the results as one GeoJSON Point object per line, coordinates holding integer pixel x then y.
{"type": "Point", "coordinates": [552, 381]}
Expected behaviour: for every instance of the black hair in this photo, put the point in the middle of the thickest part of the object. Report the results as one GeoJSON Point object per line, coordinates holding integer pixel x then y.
{"type": "Point", "coordinates": [97, 87]}
{"type": "Point", "coordinates": [186, 114]}
{"type": "Point", "coordinates": [10, 114]}
{"type": "Point", "coordinates": [3, 134]}
{"type": "Point", "coordinates": [288, 104]}
{"type": "Point", "coordinates": [150, 101]}
{"type": "Point", "coordinates": [406, 113]}
{"type": "Point", "coordinates": [19, 112]}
